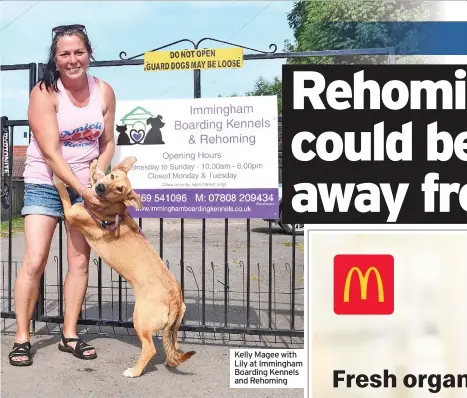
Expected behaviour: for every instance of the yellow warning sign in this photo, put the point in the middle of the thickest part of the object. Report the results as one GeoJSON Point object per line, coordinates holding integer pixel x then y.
{"type": "Point", "coordinates": [203, 58]}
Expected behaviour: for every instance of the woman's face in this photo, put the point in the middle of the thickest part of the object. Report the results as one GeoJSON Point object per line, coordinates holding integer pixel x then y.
{"type": "Point", "coordinates": [72, 58]}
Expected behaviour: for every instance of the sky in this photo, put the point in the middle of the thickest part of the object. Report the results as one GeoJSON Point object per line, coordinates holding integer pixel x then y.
{"type": "Point", "coordinates": [136, 27]}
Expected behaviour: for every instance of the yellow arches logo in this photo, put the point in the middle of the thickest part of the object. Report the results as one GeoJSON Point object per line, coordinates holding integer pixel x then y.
{"type": "Point", "coordinates": [363, 279]}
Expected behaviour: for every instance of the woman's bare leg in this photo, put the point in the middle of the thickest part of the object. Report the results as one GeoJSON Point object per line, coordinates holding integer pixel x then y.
{"type": "Point", "coordinates": [76, 282]}
{"type": "Point", "coordinates": [38, 231]}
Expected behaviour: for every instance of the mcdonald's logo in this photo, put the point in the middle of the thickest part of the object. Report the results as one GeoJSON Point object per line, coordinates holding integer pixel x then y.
{"type": "Point", "coordinates": [363, 284]}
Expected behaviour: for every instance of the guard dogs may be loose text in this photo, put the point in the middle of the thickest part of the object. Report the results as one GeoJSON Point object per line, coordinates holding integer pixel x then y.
{"type": "Point", "coordinates": [374, 144]}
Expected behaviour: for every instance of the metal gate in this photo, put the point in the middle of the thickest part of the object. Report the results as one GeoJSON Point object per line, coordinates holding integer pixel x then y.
{"type": "Point", "coordinates": [229, 285]}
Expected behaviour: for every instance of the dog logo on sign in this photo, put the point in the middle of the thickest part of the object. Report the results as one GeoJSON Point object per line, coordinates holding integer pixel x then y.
{"type": "Point", "coordinates": [154, 136]}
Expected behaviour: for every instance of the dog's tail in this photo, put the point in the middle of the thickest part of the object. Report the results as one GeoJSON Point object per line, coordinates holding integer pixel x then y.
{"type": "Point", "coordinates": [174, 357]}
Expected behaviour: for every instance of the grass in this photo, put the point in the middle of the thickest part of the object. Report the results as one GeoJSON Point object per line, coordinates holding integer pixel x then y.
{"type": "Point", "coordinates": [17, 226]}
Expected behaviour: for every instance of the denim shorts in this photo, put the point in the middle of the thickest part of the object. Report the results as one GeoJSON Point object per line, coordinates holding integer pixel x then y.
{"type": "Point", "coordinates": [44, 199]}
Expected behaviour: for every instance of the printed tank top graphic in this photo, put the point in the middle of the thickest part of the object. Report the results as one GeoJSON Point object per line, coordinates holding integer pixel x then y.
{"type": "Point", "coordinates": [81, 136]}
{"type": "Point", "coordinates": [80, 127]}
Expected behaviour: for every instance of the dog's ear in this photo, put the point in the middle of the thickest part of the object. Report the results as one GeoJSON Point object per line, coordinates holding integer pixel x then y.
{"type": "Point", "coordinates": [148, 121]}
{"type": "Point", "coordinates": [133, 199]}
{"type": "Point", "coordinates": [125, 164]}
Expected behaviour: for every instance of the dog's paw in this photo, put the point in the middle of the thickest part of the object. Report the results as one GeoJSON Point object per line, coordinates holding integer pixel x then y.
{"type": "Point", "coordinates": [93, 164]}
{"type": "Point", "coordinates": [170, 364]}
{"type": "Point", "coordinates": [131, 372]}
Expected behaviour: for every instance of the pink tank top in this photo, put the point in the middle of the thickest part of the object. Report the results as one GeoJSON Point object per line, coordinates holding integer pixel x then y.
{"type": "Point", "coordinates": [79, 132]}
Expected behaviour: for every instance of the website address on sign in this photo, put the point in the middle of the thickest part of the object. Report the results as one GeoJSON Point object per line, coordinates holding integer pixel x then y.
{"type": "Point", "coordinates": [207, 209]}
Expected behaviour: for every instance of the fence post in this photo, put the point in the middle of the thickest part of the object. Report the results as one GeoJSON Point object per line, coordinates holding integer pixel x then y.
{"type": "Point", "coordinates": [40, 305]}
{"type": "Point", "coordinates": [32, 83]}
{"type": "Point", "coordinates": [6, 171]}
{"type": "Point", "coordinates": [197, 94]}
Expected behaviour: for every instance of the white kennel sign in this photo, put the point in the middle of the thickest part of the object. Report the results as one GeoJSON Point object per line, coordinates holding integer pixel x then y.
{"type": "Point", "coordinates": [202, 157]}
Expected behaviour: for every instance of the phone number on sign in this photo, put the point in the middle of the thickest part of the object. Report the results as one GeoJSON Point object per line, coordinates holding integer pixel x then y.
{"type": "Point", "coordinates": [164, 197]}
{"type": "Point", "coordinates": [232, 197]}
{"type": "Point", "coordinates": [211, 198]}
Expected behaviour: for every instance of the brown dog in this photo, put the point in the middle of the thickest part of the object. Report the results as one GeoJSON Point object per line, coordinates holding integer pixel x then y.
{"type": "Point", "coordinates": [117, 239]}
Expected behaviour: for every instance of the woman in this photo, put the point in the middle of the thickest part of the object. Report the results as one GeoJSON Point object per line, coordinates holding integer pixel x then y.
{"type": "Point", "coordinates": [71, 115]}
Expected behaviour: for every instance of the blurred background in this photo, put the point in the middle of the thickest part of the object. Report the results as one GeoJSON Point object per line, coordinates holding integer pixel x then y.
{"type": "Point", "coordinates": [426, 334]}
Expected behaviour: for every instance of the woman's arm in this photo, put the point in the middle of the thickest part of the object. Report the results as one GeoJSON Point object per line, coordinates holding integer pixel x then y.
{"type": "Point", "coordinates": [43, 122]}
{"type": "Point", "coordinates": [107, 140]}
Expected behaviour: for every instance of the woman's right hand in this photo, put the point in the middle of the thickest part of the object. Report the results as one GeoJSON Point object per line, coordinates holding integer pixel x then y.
{"type": "Point", "coordinates": [92, 200]}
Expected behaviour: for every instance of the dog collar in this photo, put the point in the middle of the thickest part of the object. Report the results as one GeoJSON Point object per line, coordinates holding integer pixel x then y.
{"type": "Point", "coordinates": [109, 225]}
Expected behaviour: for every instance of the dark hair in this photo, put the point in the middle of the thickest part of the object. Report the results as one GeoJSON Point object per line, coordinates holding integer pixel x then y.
{"type": "Point", "coordinates": [51, 73]}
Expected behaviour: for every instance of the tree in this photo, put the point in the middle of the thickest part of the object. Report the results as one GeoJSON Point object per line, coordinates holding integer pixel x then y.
{"type": "Point", "coordinates": [350, 24]}
{"type": "Point", "coordinates": [264, 87]}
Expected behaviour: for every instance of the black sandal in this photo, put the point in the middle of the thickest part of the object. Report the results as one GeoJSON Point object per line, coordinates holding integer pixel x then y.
{"type": "Point", "coordinates": [80, 348]}
{"type": "Point", "coordinates": [21, 350]}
